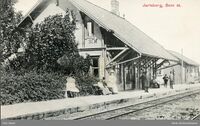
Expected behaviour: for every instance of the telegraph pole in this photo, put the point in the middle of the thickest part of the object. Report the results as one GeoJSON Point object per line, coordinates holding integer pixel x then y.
{"type": "Point", "coordinates": [181, 65]}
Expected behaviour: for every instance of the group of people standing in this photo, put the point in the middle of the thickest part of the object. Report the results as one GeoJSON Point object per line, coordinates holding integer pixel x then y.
{"type": "Point", "coordinates": [170, 78]}
{"type": "Point", "coordinates": [145, 83]}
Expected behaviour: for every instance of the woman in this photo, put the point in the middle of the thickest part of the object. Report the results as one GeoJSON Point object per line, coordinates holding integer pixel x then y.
{"type": "Point", "coordinates": [112, 83]}
{"type": "Point", "coordinates": [71, 87]}
{"type": "Point", "coordinates": [103, 87]}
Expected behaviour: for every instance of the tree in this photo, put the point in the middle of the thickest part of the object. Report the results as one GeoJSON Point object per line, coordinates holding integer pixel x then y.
{"type": "Point", "coordinates": [52, 46]}
{"type": "Point", "coordinates": [10, 36]}
{"type": "Point", "coordinates": [46, 42]}
{"type": "Point", "coordinates": [75, 64]}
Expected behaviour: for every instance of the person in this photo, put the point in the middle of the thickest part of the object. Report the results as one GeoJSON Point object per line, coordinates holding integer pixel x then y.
{"type": "Point", "coordinates": [71, 88]}
{"type": "Point", "coordinates": [112, 83]}
{"type": "Point", "coordinates": [103, 86]}
{"type": "Point", "coordinates": [104, 81]}
{"type": "Point", "coordinates": [154, 83]}
{"type": "Point", "coordinates": [171, 78]}
{"type": "Point", "coordinates": [144, 81]}
{"type": "Point", "coordinates": [165, 78]}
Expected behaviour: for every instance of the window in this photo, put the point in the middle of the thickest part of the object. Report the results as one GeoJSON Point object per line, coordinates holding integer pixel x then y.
{"type": "Point", "coordinates": [90, 28]}
{"type": "Point", "coordinates": [95, 66]}
{"type": "Point", "coordinates": [95, 62]}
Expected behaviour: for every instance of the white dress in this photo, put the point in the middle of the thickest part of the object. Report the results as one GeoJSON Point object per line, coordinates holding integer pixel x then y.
{"type": "Point", "coordinates": [71, 86]}
{"type": "Point", "coordinates": [105, 90]}
{"type": "Point", "coordinates": [112, 83]}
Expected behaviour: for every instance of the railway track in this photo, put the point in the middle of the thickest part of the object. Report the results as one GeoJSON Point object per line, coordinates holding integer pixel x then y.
{"type": "Point", "coordinates": [197, 117]}
{"type": "Point", "coordinates": [122, 111]}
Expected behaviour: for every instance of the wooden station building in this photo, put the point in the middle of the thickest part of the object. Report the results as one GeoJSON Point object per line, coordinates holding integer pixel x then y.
{"type": "Point", "coordinates": [185, 71]}
{"type": "Point", "coordinates": [111, 41]}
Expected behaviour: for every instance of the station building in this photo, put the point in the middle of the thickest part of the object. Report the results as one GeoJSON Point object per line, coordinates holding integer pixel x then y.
{"type": "Point", "coordinates": [185, 71]}
{"type": "Point", "coordinates": [112, 42]}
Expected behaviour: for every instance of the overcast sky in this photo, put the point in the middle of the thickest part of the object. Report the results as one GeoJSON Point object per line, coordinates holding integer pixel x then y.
{"type": "Point", "coordinates": [172, 27]}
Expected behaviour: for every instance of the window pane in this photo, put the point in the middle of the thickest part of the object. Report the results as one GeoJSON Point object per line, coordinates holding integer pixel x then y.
{"type": "Point", "coordinates": [89, 28]}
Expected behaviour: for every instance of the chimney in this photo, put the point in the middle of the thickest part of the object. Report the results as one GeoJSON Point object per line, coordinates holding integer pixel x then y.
{"type": "Point", "coordinates": [57, 2]}
{"type": "Point", "coordinates": [115, 7]}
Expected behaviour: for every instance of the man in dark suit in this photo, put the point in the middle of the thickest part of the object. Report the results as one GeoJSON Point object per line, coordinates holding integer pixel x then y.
{"type": "Point", "coordinates": [144, 81]}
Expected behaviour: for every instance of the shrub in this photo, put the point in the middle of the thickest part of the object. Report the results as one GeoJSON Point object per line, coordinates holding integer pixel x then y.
{"type": "Point", "coordinates": [31, 87]}
{"type": "Point", "coordinates": [17, 87]}
{"type": "Point", "coordinates": [50, 40]}
{"type": "Point", "coordinates": [85, 84]}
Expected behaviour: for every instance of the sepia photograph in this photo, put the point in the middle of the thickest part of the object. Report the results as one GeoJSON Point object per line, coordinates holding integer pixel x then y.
{"type": "Point", "coordinates": [132, 62]}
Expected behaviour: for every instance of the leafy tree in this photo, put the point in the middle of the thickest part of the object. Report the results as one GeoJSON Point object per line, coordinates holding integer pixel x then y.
{"type": "Point", "coordinates": [10, 36]}
{"type": "Point", "coordinates": [52, 46]}
{"type": "Point", "coordinates": [46, 42]}
{"type": "Point", "coordinates": [75, 64]}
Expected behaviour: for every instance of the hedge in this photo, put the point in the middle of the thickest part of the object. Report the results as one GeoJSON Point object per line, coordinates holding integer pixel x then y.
{"type": "Point", "coordinates": [32, 87]}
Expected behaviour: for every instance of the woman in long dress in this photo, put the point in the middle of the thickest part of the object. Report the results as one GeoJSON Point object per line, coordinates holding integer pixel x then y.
{"type": "Point", "coordinates": [103, 88]}
{"type": "Point", "coordinates": [112, 82]}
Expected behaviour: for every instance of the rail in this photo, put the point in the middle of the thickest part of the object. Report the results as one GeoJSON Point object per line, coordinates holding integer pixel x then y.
{"type": "Point", "coordinates": [125, 110]}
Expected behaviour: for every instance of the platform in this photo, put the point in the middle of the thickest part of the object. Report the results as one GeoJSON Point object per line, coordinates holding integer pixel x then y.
{"type": "Point", "coordinates": [44, 109]}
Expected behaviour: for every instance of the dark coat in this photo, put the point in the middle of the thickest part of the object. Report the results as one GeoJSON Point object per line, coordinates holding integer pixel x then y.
{"type": "Point", "coordinates": [144, 81]}
{"type": "Point", "coordinates": [165, 78]}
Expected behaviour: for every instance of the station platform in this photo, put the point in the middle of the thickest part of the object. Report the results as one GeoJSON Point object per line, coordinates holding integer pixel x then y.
{"type": "Point", "coordinates": [45, 109]}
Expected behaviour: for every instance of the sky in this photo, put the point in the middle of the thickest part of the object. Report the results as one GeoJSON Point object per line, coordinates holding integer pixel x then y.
{"type": "Point", "coordinates": [175, 28]}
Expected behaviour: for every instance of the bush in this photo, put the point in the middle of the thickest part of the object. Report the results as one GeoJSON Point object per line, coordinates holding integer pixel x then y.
{"type": "Point", "coordinates": [17, 87]}
{"type": "Point", "coordinates": [50, 40]}
{"type": "Point", "coordinates": [31, 87]}
{"type": "Point", "coordinates": [85, 84]}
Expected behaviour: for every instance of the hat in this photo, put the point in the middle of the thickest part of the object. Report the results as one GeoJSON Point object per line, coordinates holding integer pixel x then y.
{"type": "Point", "coordinates": [112, 71]}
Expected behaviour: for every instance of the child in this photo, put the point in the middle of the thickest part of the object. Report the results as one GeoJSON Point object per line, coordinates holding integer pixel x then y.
{"type": "Point", "coordinates": [71, 87]}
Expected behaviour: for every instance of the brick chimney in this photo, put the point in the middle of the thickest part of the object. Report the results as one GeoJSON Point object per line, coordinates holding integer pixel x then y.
{"type": "Point", "coordinates": [115, 7]}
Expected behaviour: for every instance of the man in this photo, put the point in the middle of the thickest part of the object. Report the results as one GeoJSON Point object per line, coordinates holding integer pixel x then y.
{"type": "Point", "coordinates": [165, 78]}
{"type": "Point", "coordinates": [171, 78]}
{"type": "Point", "coordinates": [144, 81]}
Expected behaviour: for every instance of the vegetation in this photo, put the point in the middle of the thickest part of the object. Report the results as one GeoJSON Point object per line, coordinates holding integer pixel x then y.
{"type": "Point", "coordinates": [31, 87]}
{"type": "Point", "coordinates": [49, 55]}
{"type": "Point", "coordinates": [10, 36]}
{"type": "Point", "coordinates": [51, 46]}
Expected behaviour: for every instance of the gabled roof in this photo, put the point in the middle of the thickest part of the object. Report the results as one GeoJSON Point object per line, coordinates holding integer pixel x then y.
{"type": "Point", "coordinates": [185, 59]}
{"type": "Point", "coordinates": [121, 28]}
{"type": "Point", "coordinates": [124, 30]}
